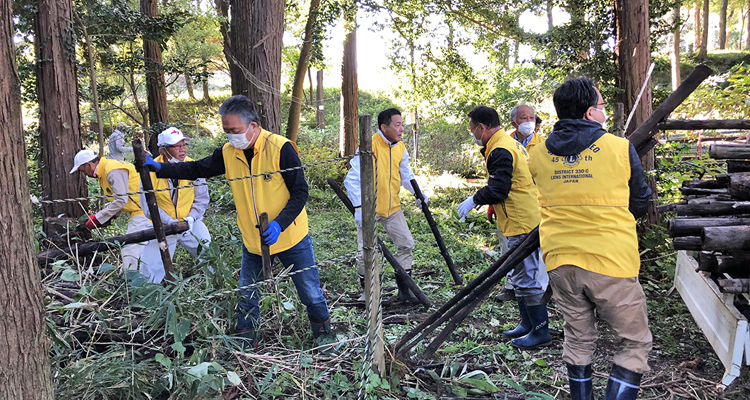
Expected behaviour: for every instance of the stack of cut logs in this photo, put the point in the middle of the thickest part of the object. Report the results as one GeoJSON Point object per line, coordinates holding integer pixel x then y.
{"type": "Point", "coordinates": [714, 220]}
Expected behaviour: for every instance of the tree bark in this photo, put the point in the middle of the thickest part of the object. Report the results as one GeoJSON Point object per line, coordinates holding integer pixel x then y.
{"type": "Point", "coordinates": [676, 50]}
{"type": "Point", "coordinates": [687, 243]}
{"type": "Point", "coordinates": [729, 151]}
{"type": "Point", "coordinates": [240, 43]}
{"type": "Point", "coordinates": [739, 186]}
{"type": "Point", "coordinates": [189, 86]}
{"type": "Point", "coordinates": [156, 90]}
{"type": "Point", "coordinates": [723, 25]}
{"type": "Point", "coordinates": [319, 112]}
{"type": "Point", "coordinates": [59, 119]}
{"type": "Point", "coordinates": [349, 90]}
{"type": "Point", "coordinates": [206, 94]}
{"type": "Point", "coordinates": [697, 30]}
{"type": "Point", "coordinates": [94, 89]}
{"type": "Point", "coordinates": [726, 237]}
{"type": "Point", "coordinates": [694, 226]}
{"type": "Point", "coordinates": [634, 59]}
{"type": "Point", "coordinates": [713, 209]}
{"type": "Point", "coordinates": [747, 31]}
{"type": "Point", "coordinates": [298, 85]}
{"type": "Point", "coordinates": [265, 61]}
{"type": "Point", "coordinates": [738, 166]}
{"type": "Point", "coordinates": [24, 359]}
{"type": "Point", "coordinates": [703, 53]}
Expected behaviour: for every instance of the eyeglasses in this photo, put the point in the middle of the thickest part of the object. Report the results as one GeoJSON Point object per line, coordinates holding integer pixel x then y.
{"type": "Point", "coordinates": [601, 104]}
{"type": "Point", "coordinates": [178, 146]}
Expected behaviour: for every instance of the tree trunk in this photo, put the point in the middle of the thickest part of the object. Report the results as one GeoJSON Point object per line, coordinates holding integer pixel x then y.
{"type": "Point", "coordinates": [309, 80]}
{"type": "Point", "coordinates": [697, 29]}
{"type": "Point", "coordinates": [222, 11]}
{"type": "Point", "coordinates": [319, 112]}
{"type": "Point", "coordinates": [265, 56]}
{"type": "Point", "coordinates": [189, 86]}
{"type": "Point", "coordinates": [298, 85]}
{"type": "Point", "coordinates": [59, 120]}
{"type": "Point", "coordinates": [24, 359]}
{"type": "Point", "coordinates": [206, 95]}
{"type": "Point", "coordinates": [349, 90]}
{"type": "Point", "coordinates": [240, 44]}
{"type": "Point", "coordinates": [94, 90]}
{"type": "Point", "coordinates": [723, 25]}
{"type": "Point", "coordinates": [703, 53]}
{"type": "Point", "coordinates": [634, 59]}
{"type": "Point", "coordinates": [676, 50]}
{"type": "Point", "coordinates": [747, 33]}
{"type": "Point", "coordinates": [155, 88]}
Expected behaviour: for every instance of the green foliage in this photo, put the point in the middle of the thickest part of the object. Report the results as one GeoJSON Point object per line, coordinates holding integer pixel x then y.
{"type": "Point", "coordinates": [319, 145]}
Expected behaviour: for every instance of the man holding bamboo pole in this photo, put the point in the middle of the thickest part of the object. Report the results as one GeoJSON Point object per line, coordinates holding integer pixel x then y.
{"type": "Point", "coordinates": [591, 188]}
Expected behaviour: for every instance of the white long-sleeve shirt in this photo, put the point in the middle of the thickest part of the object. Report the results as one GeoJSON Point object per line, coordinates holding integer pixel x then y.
{"type": "Point", "coordinates": [118, 180]}
{"type": "Point", "coordinates": [197, 210]}
{"type": "Point", "coordinates": [352, 180]}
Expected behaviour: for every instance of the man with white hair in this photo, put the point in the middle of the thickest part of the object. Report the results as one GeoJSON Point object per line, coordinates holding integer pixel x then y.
{"type": "Point", "coordinates": [117, 148]}
{"type": "Point", "coordinates": [116, 179]}
{"type": "Point", "coordinates": [187, 204]}
{"type": "Point", "coordinates": [523, 119]}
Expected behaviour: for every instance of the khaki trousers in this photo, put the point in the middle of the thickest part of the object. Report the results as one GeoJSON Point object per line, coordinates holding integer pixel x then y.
{"type": "Point", "coordinates": [396, 228]}
{"type": "Point", "coordinates": [619, 301]}
{"type": "Point", "coordinates": [131, 253]}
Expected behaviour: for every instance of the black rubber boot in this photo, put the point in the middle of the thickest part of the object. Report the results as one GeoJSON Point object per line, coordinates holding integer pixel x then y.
{"type": "Point", "coordinates": [319, 329]}
{"type": "Point", "coordinates": [581, 387]}
{"type": "Point", "coordinates": [539, 335]}
{"type": "Point", "coordinates": [623, 384]}
{"type": "Point", "coordinates": [524, 327]}
{"type": "Point", "coordinates": [324, 338]}
{"type": "Point", "coordinates": [404, 293]}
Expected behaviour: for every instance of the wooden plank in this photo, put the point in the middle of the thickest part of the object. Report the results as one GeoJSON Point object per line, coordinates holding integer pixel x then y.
{"type": "Point", "coordinates": [729, 151]}
{"type": "Point", "coordinates": [702, 124]}
{"type": "Point", "coordinates": [714, 313]}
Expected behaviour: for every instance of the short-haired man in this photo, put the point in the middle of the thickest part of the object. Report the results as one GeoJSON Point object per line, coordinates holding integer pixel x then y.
{"type": "Point", "coordinates": [591, 189]}
{"type": "Point", "coordinates": [116, 178]}
{"type": "Point", "coordinates": [523, 119]}
{"type": "Point", "coordinates": [187, 204]}
{"type": "Point", "coordinates": [117, 147]}
{"type": "Point", "coordinates": [254, 151]}
{"type": "Point", "coordinates": [512, 192]}
{"type": "Point", "coordinates": [393, 171]}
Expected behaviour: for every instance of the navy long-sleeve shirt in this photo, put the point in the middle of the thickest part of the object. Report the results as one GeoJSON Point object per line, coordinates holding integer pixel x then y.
{"type": "Point", "coordinates": [500, 170]}
{"type": "Point", "coordinates": [213, 165]}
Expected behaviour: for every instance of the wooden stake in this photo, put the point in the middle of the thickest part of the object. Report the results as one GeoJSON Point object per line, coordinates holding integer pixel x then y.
{"type": "Point", "coordinates": [372, 271]}
{"type": "Point", "coordinates": [265, 249]}
{"type": "Point", "coordinates": [153, 208]}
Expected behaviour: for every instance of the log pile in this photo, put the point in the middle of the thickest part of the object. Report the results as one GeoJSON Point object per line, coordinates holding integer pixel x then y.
{"type": "Point", "coordinates": [714, 220]}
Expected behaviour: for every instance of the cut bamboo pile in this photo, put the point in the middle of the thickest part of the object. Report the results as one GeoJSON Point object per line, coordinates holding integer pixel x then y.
{"type": "Point", "coordinates": [714, 220]}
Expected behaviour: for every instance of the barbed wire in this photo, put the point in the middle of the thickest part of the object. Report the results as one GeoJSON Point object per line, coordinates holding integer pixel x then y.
{"type": "Point", "coordinates": [194, 184]}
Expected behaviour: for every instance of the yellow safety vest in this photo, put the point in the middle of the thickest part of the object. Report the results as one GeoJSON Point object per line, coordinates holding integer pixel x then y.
{"type": "Point", "coordinates": [388, 175]}
{"type": "Point", "coordinates": [584, 200]}
{"type": "Point", "coordinates": [261, 194]}
{"type": "Point", "coordinates": [535, 140]}
{"type": "Point", "coordinates": [185, 197]}
{"type": "Point", "coordinates": [107, 165]}
{"type": "Point", "coordinates": [519, 212]}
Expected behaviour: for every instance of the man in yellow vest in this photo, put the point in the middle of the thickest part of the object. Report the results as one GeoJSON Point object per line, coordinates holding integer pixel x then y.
{"type": "Point", "coordinates": [252, 151]}
{"type": "Point", "coordinates": [591, 189]}
{"type": "Point", "coordinates": [393, 171]}
{"type": "Point", "coordinates": [512, 192]}
{"type": "Point", "coordinates": [116, 178]}
{"type": "Point", "coordinates": [188, 204]}
{"type": "Point", "coordinates": [526, 123]}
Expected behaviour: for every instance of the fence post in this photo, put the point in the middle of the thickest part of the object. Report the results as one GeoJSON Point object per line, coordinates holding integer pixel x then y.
{"type": "Point", "coordinates": [372, 271]}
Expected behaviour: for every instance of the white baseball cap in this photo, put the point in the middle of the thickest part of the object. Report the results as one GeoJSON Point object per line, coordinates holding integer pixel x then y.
{"type": "Point", "coordinates": [170, 136]}
{"type": "Point", "coordinates": [82, 157]}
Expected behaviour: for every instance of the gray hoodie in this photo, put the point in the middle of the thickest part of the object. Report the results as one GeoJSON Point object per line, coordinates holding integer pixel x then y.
{"type": "Point", "coordinates": [571, 136]}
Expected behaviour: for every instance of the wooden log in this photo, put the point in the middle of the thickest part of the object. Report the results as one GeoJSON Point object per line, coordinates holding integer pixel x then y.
{"type": "Point", "coordinates": [265, 250]}
{"type": "Point", "coordinates": [729, 151]}
{"type": "Point", "coordinates": [694, 226]}
{"type": "Point", "coordinates": [734, 285]}
{"type": "Point", "coordinates": [721, 264]}
{"type": "Point", "coordinates": [687, 243]}
{"type": "Point", "coordinates": [706, 184]}
{"type": "Point", "coordinates": [700, 191]}
{"type": "Point", "coordinates": [153, 208]}
{"type": "Point", "coordinates": [726, 238]}
{"type": "Point", "coordinates": [707, 261]}
{"type": "Point", "coordinates": [642, 137]}
{"type": "Point", "coordinates": [88, 248]}
{"type": "Point", "coordinates": [714, 209]}
{"type": "Point", "coordinates": [397, 268]}
{"type": "Point", "coordinates": [702, 124]}
{"type": "Point", "coordinates": [739, 185]}
{"type": "Point", "coordinates": [734, 166]}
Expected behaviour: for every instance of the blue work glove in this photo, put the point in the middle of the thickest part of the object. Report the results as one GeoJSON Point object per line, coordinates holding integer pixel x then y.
{"type": "Point", "coordinates": [464, 208]}
{"type": "Point", "coordinates": [151, 164]}
{"type": "Point", "coordinates": [271, 235]}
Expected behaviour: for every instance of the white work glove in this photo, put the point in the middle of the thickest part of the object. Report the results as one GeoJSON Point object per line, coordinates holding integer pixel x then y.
{"type": "Point", "coordinates": [358, 217]}
{"type": "Point", "coordinates": [190, 221]}
{"type": "Point", "coordinates": [464, 208]}
{"type": "Point", "coordinates": [419, 201]}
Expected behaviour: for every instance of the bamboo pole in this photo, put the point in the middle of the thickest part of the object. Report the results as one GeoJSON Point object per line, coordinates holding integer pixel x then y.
{"type": "Point", "coordinates": [372, 271]}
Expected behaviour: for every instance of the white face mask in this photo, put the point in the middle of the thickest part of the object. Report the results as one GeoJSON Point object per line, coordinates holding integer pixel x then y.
{"type": "Point", "coordinates": [527, 128]}
{"type": "Point", "coordinates": [604, 123]}
{"type": "Point", "coordinates": [478, 142]}
{"type": "Point", "coordinates": [239, 140]}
